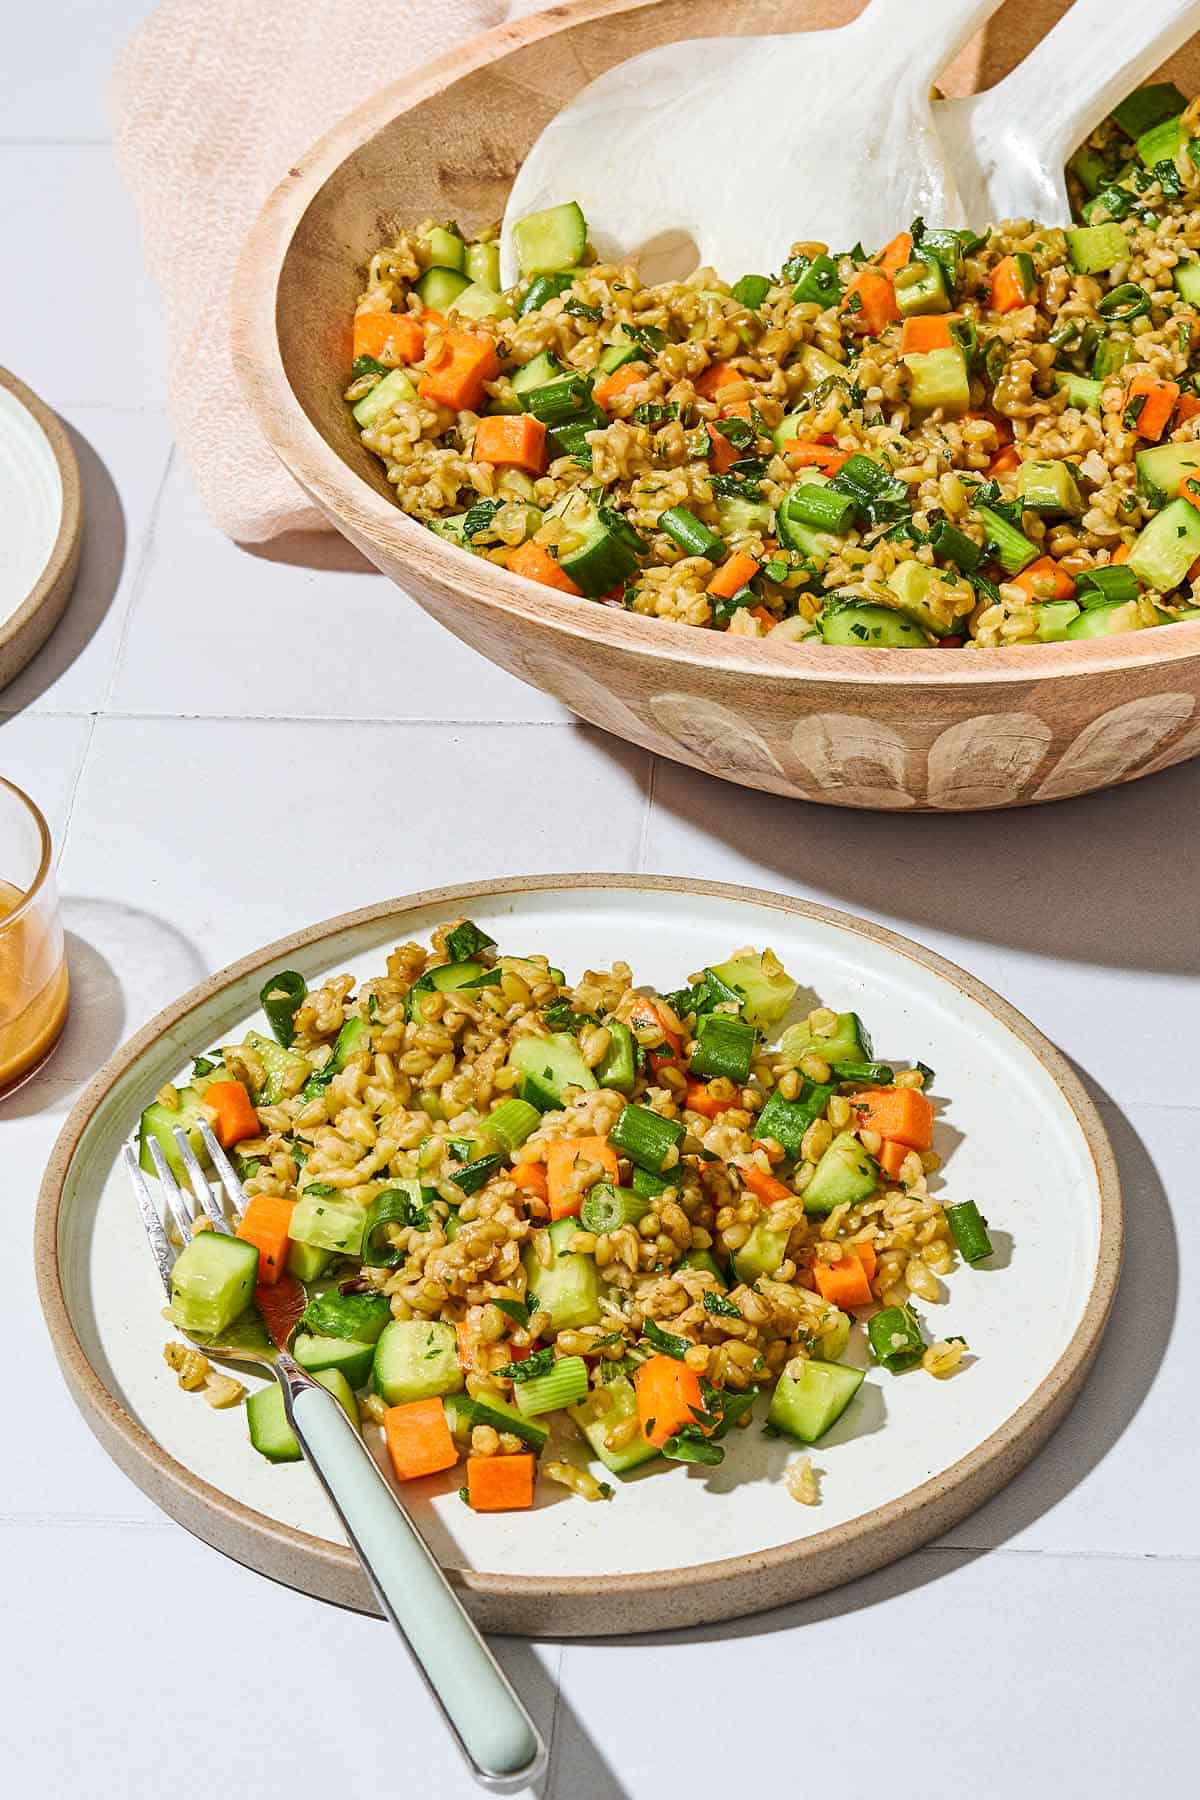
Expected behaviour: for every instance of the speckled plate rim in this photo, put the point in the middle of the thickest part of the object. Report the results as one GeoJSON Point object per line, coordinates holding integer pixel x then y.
{"type": "Point", "coordinates": [567, 1606]}
{"type": "Point", "coordinates": [24, 632]}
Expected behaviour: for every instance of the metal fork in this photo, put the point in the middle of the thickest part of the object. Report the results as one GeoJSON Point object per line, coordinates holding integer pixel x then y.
{"type": "Point", "coordinates": [477, 1701]}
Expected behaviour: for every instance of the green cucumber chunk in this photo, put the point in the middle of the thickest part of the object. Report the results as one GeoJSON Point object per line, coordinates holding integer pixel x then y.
{"type": "Point", "coordinates": [550, 240]}
{"type": "Point", "coordinates": [441, 247]}
{"type": "Point", "coordinates": [483, 265]}
{"type": "Point", "coordinates": [548, 1067]}
{"type": "Point", "coordinates": [439, 288]}
{"type": "Point", "coordinates": [267, 1421]}
{"type": "Point", "coordinates": [939, 378]}
{"type": "Point", "coordinates": [617, 1068]}
{"type": "Point", "coordinates": [1049, 488]}
{"type": "Point", "coordinates": [921, 288]}
{"type": "Point", "coordinates": [286, 1070]}
{"type": "Point", "coordinates": [1107, 621]}
{"type": "Point", "coordinates": [567, 1289]}
{"type": "Point", "coordinates": [764, 987]}
{"type": "Point", "coordinates": [1082, 392]}
{"type": "Point", "coordinates": [848, 1041]}
{"type": "Point", "coordinates": [361, 1317]}
{"type": "Point", "coordinates": [395, 389]}
{"type": "Point", "coordinates": [307, 1262]}
{"type": "Point", "coordinates": [1095, 248]}
{"type": "Point", "coordinates": [212, 1282]}
{"type": "Point", "coordinates": [445, 978]}
{"type": "Point", "coordinates": [1166, 548]}
{"type": "Point", "coordinates": [416, 1359]}
{"type": "Point", "coordinates": [866, 626]}
{"type": "Point", "coordinates": [845, 1174]}
{"type": "Point", "coordinates": [761, 1254]}
{"type": "Point", "coordinates": [351, 1355]}
{"type": "Point", "coordinates": [596, 1428]}
{"type": "Point", "coordinates": [804, 1406]}
{"type": "Point", "coordinates": [464, 1410]}
{"type": "Point", "coordinates": [160, 1122]}
{"type": "Point", "coordinates": [327, 1221]}
{"type": "Point", "coordinates": [1055, 617]}
{"type": "Point", "coordinates": [1161, 468]}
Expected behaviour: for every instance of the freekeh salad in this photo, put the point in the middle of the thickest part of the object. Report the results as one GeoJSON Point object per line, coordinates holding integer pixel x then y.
{"type": "Point", "coordinates": [531, 1223]}
{"type": "Point", "coordinates": [965, 438]}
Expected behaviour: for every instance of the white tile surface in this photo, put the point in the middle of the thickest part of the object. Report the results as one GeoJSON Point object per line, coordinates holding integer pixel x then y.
{"type": "Point", "coordinates": [201, 594]}
{"type": "Point", "coordinates": [208, 802]}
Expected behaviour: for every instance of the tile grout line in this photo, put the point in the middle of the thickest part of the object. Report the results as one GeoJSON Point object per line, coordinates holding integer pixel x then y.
{"type": "Point", "coordinates": [647, 812]}
{"type": "Point", "coordinates": [138, 585]}
{"type": "Point", "coordinates": [69, 815]}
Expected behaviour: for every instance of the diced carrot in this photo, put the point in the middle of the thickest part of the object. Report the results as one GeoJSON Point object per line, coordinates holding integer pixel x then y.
{"type": "Point", "coordinates": [1008, 289]}
{"type": "Point", "coordinates": [722, 456]}
{"type": "Point", "coordinates": [1045, 569]}
{"type": "Point", "coordinates": [236, 1117]}
{"type": "Point", "coordinates": [265, 1224]}
{"type": "Point", "coordinates": [561, 1157]}
{"type": "Point", "coordinates": [714, 378]}
{"type": "Point", "coordinates": [500, 1483]}
{"type": "Point", "coordinates": [530, 1177]}
{"type": "Point", "coordinates": [895, 1112]}
{"type": "Point", "coordinates": [1005, 461]}
{"type": "Point", "coordinates": [429, 315]}
{"type": "Point", "coordinates": [766, 619]}
{"type": "Point", "coordinates": [513, 441]}
{"type": "Point", "coordinates": [456, 373]}
{"type": "Point", "coordinates": [737, 409]}
{"type": "Point", "coordinates": [765, 1187]}
{"type": "Point", "coordinates": [467, 1340]}
{"type": "Point", "coordinates": [733, 574]}
{"type": "Point", "coordinates": [1189, 490]}
{"type": "Point", "coordinates": [701, 1099]}
{"type": "Point", "coordinates": [865, 1253]}
{"type": "Point", "coordinates": [805, 453]}
{"type": "Point", "coordinates": [647, 1011]}
{"type": "Point", "coordinates": [925, 332]}
{"type": "Point", "coordinates": [891, 1158]}
{"type": "Point", "coordinates": [1158, 403]}
{"type": "Point", "coordinates": [536, 564]}
{"type": "Point", "coordinates": [608, 389]}
{"type": "Point", "coordinates": [869, 303]}
{"type": "Point", "coordinates": [418, 1439]}
{"type": "Point", "coordinates": [1187, 406]}
{"type": "Point", "coordinates": [389, 337]}
{"type": "Point", "coordinates": [1121, 553]}
{"type": "Point", "coordinates": [843, 1283]}
{"type": "Point", "coordinates": [895, 255]}
{"type": "Point", "coordinates": [668, 1396]}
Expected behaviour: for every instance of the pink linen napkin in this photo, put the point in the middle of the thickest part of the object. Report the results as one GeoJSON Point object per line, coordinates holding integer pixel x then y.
{"type": "Point", "coordinates": [213, 100]}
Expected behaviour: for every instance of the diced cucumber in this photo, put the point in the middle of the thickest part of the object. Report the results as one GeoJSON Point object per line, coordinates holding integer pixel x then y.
{"type": "Point", "coordinates": [1108, 621]}
{"type": "Point", "coordinates": [739, 517]}
{"type": "Point", "coordinates": [351, 1355]}
{"type": "Point", "coordinates": [307, 1262]}
{"type": "Point", "coordinates": [616, 356]}
{"type": "Point", "coordinates": [267, 1420]}
{"type": "Point", "coordinates": [465, 1410]}
{"type": "Point", "coordinates": [764, 986]}
{"type": "Point", "coordinates": [441, 248]}
{"type": "Point", "coordinates": [286, 1071]}
{"type": "Point", "coordinates": [328, 1222]}
{"type": "Point", "coordinates": [596, 548]}
{"type": "Point", "coordinates": [921, 288]}
{"type": "Point", "coordinates": [536, 372]}
{"type": "Point", "coordinates": [927, 596]}
{"type": "Point", "coordinates": [816, 546]}
{"type": "Point", "coordinates": [815, 367]}
{"type": "Point", "coordinates": [550, 240]}
{"type": "Point", "coordinates": [361, 1317]}
{"type": "Point", "coordinates": [1012, 549]}
{"type": "Point", "coordinates": [804, 1406]}
{"type": "Point", "coordinates": [1090, 170]}
{"type": "Point", "coordinates": [445, 978]}
{"type": "Point", "coordinates": [450, 528]}
{"type": "Point", "coordinates": [1166, 548]}
{"type": "Point", "coordinates": [416, 1359]}
{"type": "Point", "coordinates": [790, 430]}
{"type": "Point", "coordinates": [1080, 390]}
{"type": "Point", "coordinates": [1186, 276]}
{"type": "Point", "coordinates": [350, 1041]}
{"type": "Point", "coordinates": [617, 1068]}
{"type": "Point", "coordinates": [1095, 248]}
{"type": "Point", "coordinates": [787, 1121]}
{"type": "Point", "coordinates": [440, 288]}
{"type": "Point", "coordinates": [849, 1041]}
{"type": "Point", "coordinates": [939, 378]}
{"type": "Point", "coordinates": [861, 627]}
{"type": "Point", "coordinates": [845, 1174]}
{"type": "Point", "coordinates": [483, 265]}
{"type": "Point", "coordinates": [622, 1405]}
{"type": "Point", "coordinates": [1161, 468]}
{"type": "Point", "coordinates": [212, 1282]}
{"type": "Point", "coordinates": [706, 1262]}
{"type": "Point", "coordinates": [1054, 617]}
{"type": "Point", "coordinates": [394, 389]}
{"type": "Point", "coordinates": [568, 1288]}
{"type": "Point", "coordinates": [161, 1122]}
{"type": "Point", "coordinates": [548, 1067]}
{"type": "Point", "coordinates": [1112, 353]}
{"type": "Point", "coordinates": [1049, 488]}
{"type": "Point", "coordinates": [1161, 143]}
{"type": "Point", "coordinates": [761, 1254]}
{"type": "Point", "coordinates": [1148, 106]}
{"type": "Point", "coordinates": [479, 302]}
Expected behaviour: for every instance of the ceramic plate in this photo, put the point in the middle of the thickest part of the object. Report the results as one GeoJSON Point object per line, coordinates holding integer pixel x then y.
{"type": "Point", "coordinates": [676, 1545]}
{"type": "Point", "coordinates": [40, 523]}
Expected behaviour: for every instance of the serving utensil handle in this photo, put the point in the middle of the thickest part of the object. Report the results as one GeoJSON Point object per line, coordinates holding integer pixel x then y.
{"type": "Point", "coordinates": [922, 39]}
{"type": "Point", "coordinates": [493, 1729]}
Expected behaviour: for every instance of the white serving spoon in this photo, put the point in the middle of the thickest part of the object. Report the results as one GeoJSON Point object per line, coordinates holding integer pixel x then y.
{"type": "Point", "coordinates": [725, 150]}
{"type": "Point", "coordinates": [1007, 146]}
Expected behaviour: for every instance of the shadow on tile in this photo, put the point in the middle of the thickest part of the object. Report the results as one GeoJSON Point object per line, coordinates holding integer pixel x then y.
{"type": "Point", "coordinates": [314, 550]}
{"type": "Point", "coordinates": [1082, 880]}
{"type": "Point", "coordinates": [100, 568]}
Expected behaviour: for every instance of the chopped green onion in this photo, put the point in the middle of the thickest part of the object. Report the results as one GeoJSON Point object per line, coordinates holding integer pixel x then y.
{"type": "Point", "coordinates": [895, 1338]}
{"type": "Point", "coordinates": [692, 536]}
{"type": "Point", "coordinates": [1106, 587]}
{"type": "Point", "coordinates": [607, 1208]}
{"type": "Point", "coordinates": [787, 1120]}
{"type": "Point", "coordinates": [473, 1175]}
{"type": "Point", "coordinates": [559, 402]}
{"type": "Point", "coordinates": [281, 999]}
{"type": "Point", "coordinates": [724, 1047]}
{"type": "Point", "coordinates": [546, 287]}
{"type": "Point", "coordinates": [882, 1074]}
{"type": "Point", "coordinates": [646, 1138]}
{"type": "Point", "coordinates": [1128, 301]}
{"type": "Point", "coordinates": [565, 1385]}
{"type": "Point", "coordinates": [823, 508]}
{"type": "Point", "coordinates": [969, 1230]}
{"type": "Point", "coordinates": [952, 545]}
{"type": "Point", "coordinates": [648, 1185]}
{"type": "Point", "coordinates": [400, 1205]}
{"type": "Point", "coordinates": [511, 1123]}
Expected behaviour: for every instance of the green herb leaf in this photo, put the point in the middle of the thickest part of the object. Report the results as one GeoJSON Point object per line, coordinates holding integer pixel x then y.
{"type": "Point", "coordinates": [665, 1341]}
{"type": "Point", "coordinates": [717, 1303]}
{"type": "Point", "coordinates": [540, 1363]}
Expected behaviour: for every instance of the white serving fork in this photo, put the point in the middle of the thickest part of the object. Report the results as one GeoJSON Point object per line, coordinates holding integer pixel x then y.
{"type": "Point", "coordinates": [493, 1729]}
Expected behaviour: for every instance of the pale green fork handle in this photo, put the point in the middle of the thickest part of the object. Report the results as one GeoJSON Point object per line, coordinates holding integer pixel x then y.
{"type": "Point", "coordinates": [495, 1732]}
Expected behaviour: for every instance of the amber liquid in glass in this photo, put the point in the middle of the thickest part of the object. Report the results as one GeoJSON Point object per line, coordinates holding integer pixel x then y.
{"type": "Point", "coordinates": [33, 988]}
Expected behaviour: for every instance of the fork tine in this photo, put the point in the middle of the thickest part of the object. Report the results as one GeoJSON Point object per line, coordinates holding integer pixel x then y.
{"type": "Point", "coordinates": [160, 1244]}
{"type": "Point", "coordinates": [176, 1205]}
{"type": "Point", "coordinates": [224, 1168]}
{"type": "Point", "coordinates": [199, 1184]}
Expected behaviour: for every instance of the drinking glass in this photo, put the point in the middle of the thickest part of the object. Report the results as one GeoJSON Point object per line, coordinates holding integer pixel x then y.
{"type": "Point", "coordinates": [33, 966]}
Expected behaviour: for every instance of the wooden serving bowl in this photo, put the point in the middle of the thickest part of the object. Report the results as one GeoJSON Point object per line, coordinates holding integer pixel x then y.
{"type": "Point", "coordinates": [924, 729]}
